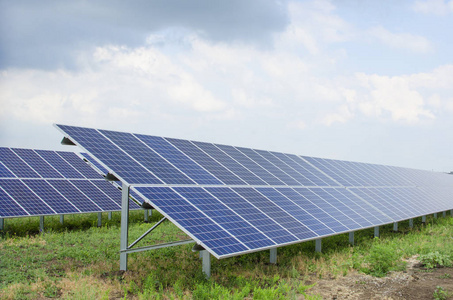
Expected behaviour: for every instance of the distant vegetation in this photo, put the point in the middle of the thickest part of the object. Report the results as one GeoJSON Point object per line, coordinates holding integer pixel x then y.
{"type": "Point", "coordinates": [78, 260]}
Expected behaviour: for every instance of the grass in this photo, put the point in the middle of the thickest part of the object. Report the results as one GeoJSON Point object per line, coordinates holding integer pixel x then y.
{"type": "Point", "coordinates": [78, 260]}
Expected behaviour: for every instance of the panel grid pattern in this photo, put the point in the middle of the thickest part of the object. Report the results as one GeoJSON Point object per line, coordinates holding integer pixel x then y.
{"type": "Point", "coordinates": [235, 200]}
{"type": "Point", "coordinates": [43, 182]}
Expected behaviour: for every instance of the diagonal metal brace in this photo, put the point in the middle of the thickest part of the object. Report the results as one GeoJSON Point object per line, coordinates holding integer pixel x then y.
{"type": "Point", "coordinates": [146, 233]}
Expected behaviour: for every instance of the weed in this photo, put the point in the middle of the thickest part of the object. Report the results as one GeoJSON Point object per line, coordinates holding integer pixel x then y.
{"type": "Point", "coordinates": [382, 259]}
{"type": "Point", "coordinates": [440, 293]}
{"type": "Point", "coordinates": [445, 276]}
{"type": "Point", "coordinates": [435, 259]}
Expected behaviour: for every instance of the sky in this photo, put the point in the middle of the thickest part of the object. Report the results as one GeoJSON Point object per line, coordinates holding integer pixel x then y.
{"type": "Point", "coordinates": [367, 81]}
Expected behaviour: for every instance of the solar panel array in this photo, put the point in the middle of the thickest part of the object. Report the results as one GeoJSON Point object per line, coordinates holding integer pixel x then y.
{"type": "Point", "coordinates": [42, 182]}
{"type": "Point", "coordinates": [235, 200]}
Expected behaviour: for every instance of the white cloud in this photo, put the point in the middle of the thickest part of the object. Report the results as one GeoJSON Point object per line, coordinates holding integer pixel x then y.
{"type": "Point", "coordinates": [436, 7]}
{"type": "Point", "coordinates": [407, 41]}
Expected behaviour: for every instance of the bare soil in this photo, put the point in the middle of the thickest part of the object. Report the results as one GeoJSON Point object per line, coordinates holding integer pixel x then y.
{"type": "Point", "coordinates": [415, 283]}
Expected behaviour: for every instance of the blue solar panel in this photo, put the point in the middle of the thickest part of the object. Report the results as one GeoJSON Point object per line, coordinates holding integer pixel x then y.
{"type": "Point", "coordinates": [253, 215]}
{"type": "Point", "coordinates": [16, 165]}
{"type": "Point", "coordinates": [178, 159]}
{"type": "Point", "coordinates": [38, 164]}
{"type": "Point", "coordinates": [51, 196]}
{"type": "Point", "coordinates": [230, 163]}
{"type": "Point", "coordinates": [250, 165]}
{"type": "Point", "coordinates": [78, 164]}
{"type": "Point", "coordinates": [279, 216]}
{"type": "Point", "coordinates": [103, 149]}
{"type": "Point", "coordinates": [147, 157]}
{"type": "Point", "coordinates": [9, 207]}
{"type": "Point", "coordinates": [4, 172]}
{"type": "Point", "coordinates": [286, 165]}
{"type": "Point", "coordinates": [44, 190]}
{"type": "Point", "coordinates": [75, 196]}
{"type": "Point", "coordinates": [193, 221]}
{"type": "Point", "coordinates": [235, 200]}
{"type": "Point", "coordinates": [59, 164]}
{"type": "Point", "coordinates": [268, 166]}
{"type": "Point", "coordinates": [112, 193]}
{"type": "Point", "coordinates": [212, 166]}
{"type": "Point", "coordinates": [94, 164]}
{"type": "Point", "coordinates": [225, 217]}
{"type": "Point", "coordinates": [25, 197]}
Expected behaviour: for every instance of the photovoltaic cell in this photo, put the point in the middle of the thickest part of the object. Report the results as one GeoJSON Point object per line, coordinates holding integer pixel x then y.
{"type": "Point", "coordinates": [211, 165]}
{"type": "Point", "coordinates": [16, 165]}
{"type": "Point", "coordinates": [178, 159]}
{"type": "Point", "coordinates": [44, 190]}
{"type": "Point", "coordinates": [108, 153]}
{"type": "Point", "coordinates": [78, 164]}
{"type": "Point", "coordinates": [196, 224]}
{"type": "Point", "coordinates": [51, 196]}
{"type": "Point", "coordinates": [101, 169]}
{"type": "Point", "coordinates": [147, 157]}
{"type": "Point", "coordinates": [25, 197]}
{"type": "Point", "coordinates": [38, 164]}
{"type": "Point", "coordinates": [230, 163]}
{"type": "Point", "coordinates": [4, 172]}
{"type": "Point", "coordinates": [59, 164]}
{"type": "Point", "coordinates": [9, 207]}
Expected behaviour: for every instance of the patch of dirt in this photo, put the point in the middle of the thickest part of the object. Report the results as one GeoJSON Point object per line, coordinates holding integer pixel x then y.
{"type": "Point", "coordinates": [415, 283]}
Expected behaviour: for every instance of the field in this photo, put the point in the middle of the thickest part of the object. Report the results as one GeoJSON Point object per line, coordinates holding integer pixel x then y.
{"type": "Point", "coordinates": [78, 260]}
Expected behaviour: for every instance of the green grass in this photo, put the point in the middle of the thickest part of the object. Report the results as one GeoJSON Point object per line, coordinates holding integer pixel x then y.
{"type": "Point", "coordinates": [78, 260]}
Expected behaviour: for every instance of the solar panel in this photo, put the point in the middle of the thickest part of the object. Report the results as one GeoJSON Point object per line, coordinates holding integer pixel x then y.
{"type": "Point", "coordinates": [42, 182]}
{"type": "Point", "coordinates": [235, 200]}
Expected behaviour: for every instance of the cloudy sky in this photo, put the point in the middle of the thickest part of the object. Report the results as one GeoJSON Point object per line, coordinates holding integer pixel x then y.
{"type": "Point", "coordinates": [368, 81]}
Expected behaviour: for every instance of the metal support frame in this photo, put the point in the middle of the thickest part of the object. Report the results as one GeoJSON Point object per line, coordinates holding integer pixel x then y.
{"type": "Point", "coordinates": [61, 219]}
{"type": "Point", "coordinates": [41, 223]}
{"type": "Point", "coordinates": [351, 238]}
{"type": "Point", "coordinates": [318, 243]}
{"type": "Point", "coordinates": [125, 248]}
{"type": "Point", "coordinates": [124, 226]}
{"type": "Point", "coordinates": [2, 224]}
{"type": "Point", "coordinates": [395, 226]}
{"type": "Point", "coordinates": [146, 215]}
{"type": "Point", "coordinates": [110, 215]}
{"type": "Point", "coordinates": [99, 219]}
{"type": "Point", "coordinates": [451, 212]}
{"type": "Point", "coordinates": [376, 231]}
{"type": "Point", "coordinates": [273, 255]}
{"type": "Point", "coordinates": [444, 214]}
{"type": "Point", "coordinates": [206, 263]}
{"type": "Point", "coordinates": [423, 219]}
{"type": "Point", "coordinates": [435, 215]}
{"type": "Point", "coordinates": [411, 223]}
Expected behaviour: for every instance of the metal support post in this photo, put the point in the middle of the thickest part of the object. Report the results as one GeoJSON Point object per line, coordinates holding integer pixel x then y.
{"type": "Point", "coordinates": [411, 223]}
{"type": "Point", "coordinates": [206, 263]}
{"type": "Point", "coordinates": [61, 219]}
{"type": "Point", "coordinates": [124, 226]}
{"type": "Point", "coordinates": [273, 256]}
{"type": "Point", "coordinates": [395, 226]}
{"type": "Point", "coordinates": [110, 215]}
{"type": "Point", "coordinates": [351, 238]}
{"type": "Point", "coordinates": [146, 215]}
{"type": "Point", "coordinates": [444, 214]}
{"type": "Point", "coordinates": [423, 219]}
{"type": "Point", "coordinates": [99, 219]}
{"type": "Point", "coordinates": [2, 224]}
{"type": "Point", "coordinates": [435, 215]}
{"type": "Point", "coordinates": [376, 231]}
{"type": "Point", "coordinates": [41, 223]}
{"type": "Point", "coordinates": [451, 212]}
{"type": "Point", "coordinates": [318, 245]}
